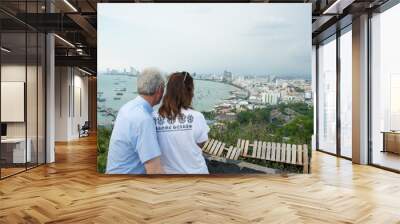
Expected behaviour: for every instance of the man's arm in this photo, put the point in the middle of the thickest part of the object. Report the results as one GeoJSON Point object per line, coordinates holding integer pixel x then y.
{"type": "Point", "coordinates": [148, 148]}
{"type": "Point", "coordinates": [153, 166]}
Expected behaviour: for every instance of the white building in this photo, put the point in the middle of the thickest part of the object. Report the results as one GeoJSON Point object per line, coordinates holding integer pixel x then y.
{"type": "Point", "coordinates": [271, 98]}
{"type": "Point", "coordinates": [227, 76]}
{"type": "Point", "coordinates": [308, 95]}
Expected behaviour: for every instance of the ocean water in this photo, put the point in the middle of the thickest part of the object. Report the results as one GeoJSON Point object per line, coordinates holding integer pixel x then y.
{"type": "Point", "coordinates": [207, 94]}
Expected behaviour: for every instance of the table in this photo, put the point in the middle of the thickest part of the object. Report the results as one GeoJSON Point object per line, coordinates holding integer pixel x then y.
{"type": "Point", "coordinates": [13, 150]}
{"type": "Point", "coordinates": [391, 141]}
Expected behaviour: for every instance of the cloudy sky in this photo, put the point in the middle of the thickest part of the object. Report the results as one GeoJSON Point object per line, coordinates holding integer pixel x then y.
{"type": "Point", "coordinates": [248, 39]}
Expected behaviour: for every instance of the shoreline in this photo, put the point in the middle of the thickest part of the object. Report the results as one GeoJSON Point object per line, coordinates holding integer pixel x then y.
{"type": "Point", "coordinates": [227, 83]}
{"type": "Point", "coordinates": [106, 117]}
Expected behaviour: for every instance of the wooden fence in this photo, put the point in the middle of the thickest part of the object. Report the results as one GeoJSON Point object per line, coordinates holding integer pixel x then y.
{"type": "Point", "coordinates": [269, 151]}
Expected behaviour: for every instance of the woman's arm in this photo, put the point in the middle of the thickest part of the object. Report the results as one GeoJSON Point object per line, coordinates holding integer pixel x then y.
{"type": "Point", "coordinates": [153, 166]}
{"type": "Point", "coordinates": [202, 130]}
{"type": "Point", "coordinates": [201, 144]}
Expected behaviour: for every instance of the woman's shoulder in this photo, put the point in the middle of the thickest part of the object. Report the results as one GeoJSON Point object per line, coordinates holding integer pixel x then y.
{"type": "Point", "coordinates": [194, 113]}
{"type": "Point", "coordinates": [155, 114]}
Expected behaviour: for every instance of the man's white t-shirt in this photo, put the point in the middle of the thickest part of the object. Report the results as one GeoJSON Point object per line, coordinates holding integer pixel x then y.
{"type": "Point", "coordinates": [178, 140]}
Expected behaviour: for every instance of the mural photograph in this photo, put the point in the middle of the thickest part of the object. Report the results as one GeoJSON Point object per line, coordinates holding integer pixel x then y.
{"type": "Point", "coordinates": [204, 88]}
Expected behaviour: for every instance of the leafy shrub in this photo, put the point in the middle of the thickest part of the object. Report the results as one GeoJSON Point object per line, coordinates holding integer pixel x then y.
{"type": "Point", "coordinates": [103, 140]}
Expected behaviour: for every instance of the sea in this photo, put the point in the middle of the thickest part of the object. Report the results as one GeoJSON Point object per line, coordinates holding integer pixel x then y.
{"type": "Point", "coordinates": [115, 90]}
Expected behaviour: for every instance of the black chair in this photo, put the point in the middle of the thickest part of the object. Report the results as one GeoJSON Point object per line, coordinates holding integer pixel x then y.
{"type": "Point", "coordinates": [84, 130]}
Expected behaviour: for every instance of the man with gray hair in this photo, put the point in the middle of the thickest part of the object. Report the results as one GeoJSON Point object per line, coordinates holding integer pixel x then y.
{"type": "Point", "coordinates": [133, 145]}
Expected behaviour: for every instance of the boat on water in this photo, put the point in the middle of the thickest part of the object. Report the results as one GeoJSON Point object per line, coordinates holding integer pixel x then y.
{"type": "Point", "coordinates": [109, 110]}
{"type": "Point", "coordinates": [120, 94]}
{"type": "Point", "coordinates": [101, 99]}
{"type": "Point", "coordinates": [117, 98]}
{"type": "Point", "coordinates": [230, 98]}
{"type": "Point", "coordinates": [120, 89]}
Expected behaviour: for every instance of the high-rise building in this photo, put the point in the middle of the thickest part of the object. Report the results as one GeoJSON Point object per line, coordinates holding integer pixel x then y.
{"type": "Point", "coordinates": [227, 76]}
{"type": "Point", "coordinates": [270, 97]}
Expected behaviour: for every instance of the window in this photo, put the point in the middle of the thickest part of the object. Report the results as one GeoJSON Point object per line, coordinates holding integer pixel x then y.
{"type": "Point", "coordinates": [15, 146]}
{"type": "Point", "coordinates": [346, 93]}
{"type": "Point", "coordinates": [327, 96]}
{"type": "Point", "coordinates": [385, 89]}
{"type": "Point", "coordinates": [23, 77]}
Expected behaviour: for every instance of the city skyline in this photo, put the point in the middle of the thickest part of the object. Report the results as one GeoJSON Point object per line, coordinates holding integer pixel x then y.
{"type": "Point", "coordinates": [218, 74]}
{"type": "Point", "coordinates": [273, 39]}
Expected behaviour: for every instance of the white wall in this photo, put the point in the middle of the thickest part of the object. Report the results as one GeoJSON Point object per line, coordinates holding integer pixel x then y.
{"type": "Point", "coordinates": [17, 73]}
{"type": "Point", "coordinates": [70, 83]}
{"type": "Point", "coordinates": [33, 126]}
{"type": "Point", "coordinates": [80, 89]}
{"type": "Point", "coordinates": [62, 81]}
{"type": "Point", "coordinates": [12, 73]}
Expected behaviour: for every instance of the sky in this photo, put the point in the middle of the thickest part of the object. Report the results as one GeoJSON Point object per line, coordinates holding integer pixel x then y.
{"type": "Point", "coordinates": [245, 39]}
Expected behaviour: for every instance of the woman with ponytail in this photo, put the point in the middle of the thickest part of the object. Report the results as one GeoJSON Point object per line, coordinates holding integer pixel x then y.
{"type": "Point", "coordinates": [181, 131]}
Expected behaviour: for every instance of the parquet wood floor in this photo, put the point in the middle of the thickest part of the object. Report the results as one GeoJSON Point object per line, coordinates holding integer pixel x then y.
{"type": "Point", "coordinates": [10, 171]}
{"type": "Point", "coordinates": [71, 191]}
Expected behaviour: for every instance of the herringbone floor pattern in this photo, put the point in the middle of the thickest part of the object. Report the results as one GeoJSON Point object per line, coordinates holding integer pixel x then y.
{"type": "Point", "coordinates": [71, 191]}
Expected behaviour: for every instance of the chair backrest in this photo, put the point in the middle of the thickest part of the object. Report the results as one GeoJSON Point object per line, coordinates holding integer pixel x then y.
{"type": "Point", "coordinates": [86, 125]}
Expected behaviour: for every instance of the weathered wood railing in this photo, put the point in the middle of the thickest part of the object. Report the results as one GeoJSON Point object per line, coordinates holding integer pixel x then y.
{"type": "Point", "coordinates": [270, 151]}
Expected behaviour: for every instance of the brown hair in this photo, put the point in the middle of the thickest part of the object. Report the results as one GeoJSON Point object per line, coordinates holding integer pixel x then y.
{"type": "Point", "coordinates": [179, 94]}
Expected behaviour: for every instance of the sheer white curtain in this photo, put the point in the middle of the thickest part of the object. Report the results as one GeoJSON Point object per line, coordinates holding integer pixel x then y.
{"type": "Point", "coordinates": [346, 94]}
{"type": "Point", "coordinates": [327, 96]}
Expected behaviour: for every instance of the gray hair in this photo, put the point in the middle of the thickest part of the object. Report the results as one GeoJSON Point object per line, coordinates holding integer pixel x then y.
{"type": "Point", "coordinates": [148, 81]}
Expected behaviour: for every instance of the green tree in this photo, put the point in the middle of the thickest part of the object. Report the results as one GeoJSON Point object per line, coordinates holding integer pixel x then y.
{"type": "Point", "coordinates": [103, 140]}
{"type": "Point", "coordinates": [245, 117]}
{"type": "Point", "coordinates": [258, 125]}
